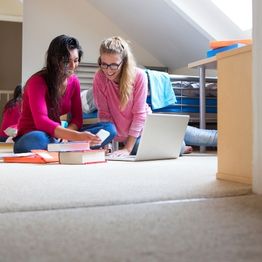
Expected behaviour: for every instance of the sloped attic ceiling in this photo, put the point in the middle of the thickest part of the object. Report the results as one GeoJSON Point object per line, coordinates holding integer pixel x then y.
{"type": "Point", "coordinates": [176, 32]}
{"type": "Point", "coordinates": [159, 28]}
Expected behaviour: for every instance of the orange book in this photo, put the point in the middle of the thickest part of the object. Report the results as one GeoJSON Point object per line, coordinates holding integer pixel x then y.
{"type": "Point", "coordinates": [34, 157]}
{"type": "Point", "coordinates": [218, 44]}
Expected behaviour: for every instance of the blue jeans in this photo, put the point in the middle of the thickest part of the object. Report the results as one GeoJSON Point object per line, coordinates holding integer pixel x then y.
{"type": "Point", "coordinates": [40, 139]}
{"type": "Point", "coordinates": [199, 137]}
{"type": "Point", "coordinates": [3, 138]}
{"type": "Point", "coordinates": [33, 140]}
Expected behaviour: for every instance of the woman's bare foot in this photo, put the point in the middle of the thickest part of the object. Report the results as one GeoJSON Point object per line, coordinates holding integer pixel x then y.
{"type": "Point", "coordinates": [188, 150]}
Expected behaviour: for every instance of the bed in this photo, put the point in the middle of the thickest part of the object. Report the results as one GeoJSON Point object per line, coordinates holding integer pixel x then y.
{"type": "Point", "coordinates": [185, 88]}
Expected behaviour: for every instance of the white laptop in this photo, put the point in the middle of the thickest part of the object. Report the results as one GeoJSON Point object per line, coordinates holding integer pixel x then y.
{"type": "Point", "coordinates": [161, 138]}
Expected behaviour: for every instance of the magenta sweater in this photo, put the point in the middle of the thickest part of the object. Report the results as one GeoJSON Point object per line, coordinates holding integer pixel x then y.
{"type": "Point", "coordinates": [34, 109]}
{"type": "Point", "coordinates": [10, 118]}
{"type": "Point", "coordinates": [131, 120]}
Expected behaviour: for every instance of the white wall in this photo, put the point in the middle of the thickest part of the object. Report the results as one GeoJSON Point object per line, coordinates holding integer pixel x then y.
{"type": "Point", "coordinates": [257, 97]}
{"type": "Point", "coordinates": [193, 72]}
{"type": "Point", "coordinates": [43, 20]}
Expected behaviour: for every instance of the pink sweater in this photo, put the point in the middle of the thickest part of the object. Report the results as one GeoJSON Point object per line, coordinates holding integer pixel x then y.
{"type": "Point", "coordinates": [10, 118]}
{"type": "Point", "coordinates": [34, 110]}
{"type": "Point", "coordinates": [131, 120]}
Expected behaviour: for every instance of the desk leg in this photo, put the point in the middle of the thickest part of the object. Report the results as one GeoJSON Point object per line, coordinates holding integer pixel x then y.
{"type": "Point", "coordinates": [202, 100]}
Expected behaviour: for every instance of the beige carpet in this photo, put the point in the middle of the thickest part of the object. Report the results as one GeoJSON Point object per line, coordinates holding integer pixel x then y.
{"type": "Point", "coordinates": [214, 230]}
{"type": "Point", "coordinates": [27, 187]}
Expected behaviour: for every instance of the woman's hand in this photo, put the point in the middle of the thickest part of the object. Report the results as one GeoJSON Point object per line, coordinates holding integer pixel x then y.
{"type": "Point", "coordinates": [89, 137]}
{"type": "Point", "coordinates": [121, 152]}
{"type": "Point", "coordinates": [72, 135]}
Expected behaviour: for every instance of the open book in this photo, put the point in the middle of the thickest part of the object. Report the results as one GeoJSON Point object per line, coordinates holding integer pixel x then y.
{"type": "Point", "coordinates": [34, 157]}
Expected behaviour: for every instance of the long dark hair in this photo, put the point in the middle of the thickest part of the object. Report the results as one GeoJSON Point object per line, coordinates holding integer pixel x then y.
{"type": "Point", "coordinates": [17, 97]}
{"type": "Point", "coordinates": [57, 59]}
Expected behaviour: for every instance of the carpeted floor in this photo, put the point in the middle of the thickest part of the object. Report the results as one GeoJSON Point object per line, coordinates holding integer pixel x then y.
{"type": "Point", "coordinates": [222, 229]}
{"type": "Point", "coordinates": [173, 210]}
{"type": "Point", "coordinates": [26, 187]}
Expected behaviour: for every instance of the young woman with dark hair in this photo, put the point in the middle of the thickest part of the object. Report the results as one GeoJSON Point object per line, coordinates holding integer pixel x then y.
{"type": "Point", "coordinates": [52, 92]}
{"type": "Point", "coordinates": [11, 114]}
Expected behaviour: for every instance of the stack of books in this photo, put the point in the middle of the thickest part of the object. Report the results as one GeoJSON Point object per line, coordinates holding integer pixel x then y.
{"type": "Point", "coordinates": [63, 153]}
{"type": "Point", "coordinates": [225, 45]}
{"type": "Point", "coordinates": [74, 153]}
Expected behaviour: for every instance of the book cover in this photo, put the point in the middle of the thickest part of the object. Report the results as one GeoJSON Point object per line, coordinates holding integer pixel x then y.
{"type": "Point", "coordinates": [82, 157]}
{"type": "Point", "coordinates": [34, 157]}
{"type": "Point", "coordinates": [68, 146]}
{"type": "Point", "coordinates": [6, 147]}
{"type": "Point", "coordinates": [213, 52]}
{"type": "Point", "coordinates": [218, 44]}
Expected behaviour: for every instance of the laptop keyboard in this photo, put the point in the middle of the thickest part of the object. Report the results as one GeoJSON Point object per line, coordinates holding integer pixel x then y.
{"type": "Point", "coordinates": [112, 157]}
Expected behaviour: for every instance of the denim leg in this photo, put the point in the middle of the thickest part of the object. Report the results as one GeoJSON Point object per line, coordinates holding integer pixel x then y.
{"type": "Point", "coordinates": [3, 138]}
{"type": "Point", "coordinates": [33, 140]}
{"type": "Point", "coordinates": [94, 128]}
{"type": "Point", "coordinates": [200, 137]}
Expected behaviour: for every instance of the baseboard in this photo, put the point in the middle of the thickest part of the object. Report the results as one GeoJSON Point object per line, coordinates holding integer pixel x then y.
{"type": "Point", "coordinates": [234, 178]}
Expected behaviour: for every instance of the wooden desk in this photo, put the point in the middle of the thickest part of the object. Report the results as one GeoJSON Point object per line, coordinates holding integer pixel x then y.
{"type": "Point", "coordinates": [234, 70]}
{"type": "Point", "coordinates": [235, 126]}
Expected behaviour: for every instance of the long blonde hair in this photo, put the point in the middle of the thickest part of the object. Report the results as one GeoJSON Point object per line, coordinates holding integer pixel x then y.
{"type": "Point", "coordinates": [117, 45]}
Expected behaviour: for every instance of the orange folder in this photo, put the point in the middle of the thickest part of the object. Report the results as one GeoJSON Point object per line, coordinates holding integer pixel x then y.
{"type": "Point", "coordinates": [35, 157]}
{"type": "Point", "coordinates": [218, 44]}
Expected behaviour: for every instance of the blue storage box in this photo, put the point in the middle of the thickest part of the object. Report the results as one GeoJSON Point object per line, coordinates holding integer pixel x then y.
{"type": "Point", "coordinates": [213, 52]}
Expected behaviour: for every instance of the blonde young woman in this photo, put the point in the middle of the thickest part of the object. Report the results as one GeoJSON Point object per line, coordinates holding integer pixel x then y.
{"type": "Point", "coordinates": [120, 92]}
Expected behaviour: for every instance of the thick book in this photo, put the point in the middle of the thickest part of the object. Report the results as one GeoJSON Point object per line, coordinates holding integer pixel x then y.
{"type": "Point", "coordinates": [34, 157]}
{"type": "Point", "coordinates": [68, 146]}
{"type": "Point", "coordinates": [6, 147]}
{"type": "Point", "coordinates": [213, 52]}
{"type": "Point", "coordinates": [82, 157]}
{"type": "Point", "coordinates": [218, 44]}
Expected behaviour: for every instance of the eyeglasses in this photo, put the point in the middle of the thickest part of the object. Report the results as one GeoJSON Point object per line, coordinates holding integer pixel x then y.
{"type": "Point", "coordinates": [113, 66]}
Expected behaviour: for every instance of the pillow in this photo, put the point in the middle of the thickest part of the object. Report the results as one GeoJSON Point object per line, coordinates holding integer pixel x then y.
{"type": "Point", "coordinates": [87, 100]}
